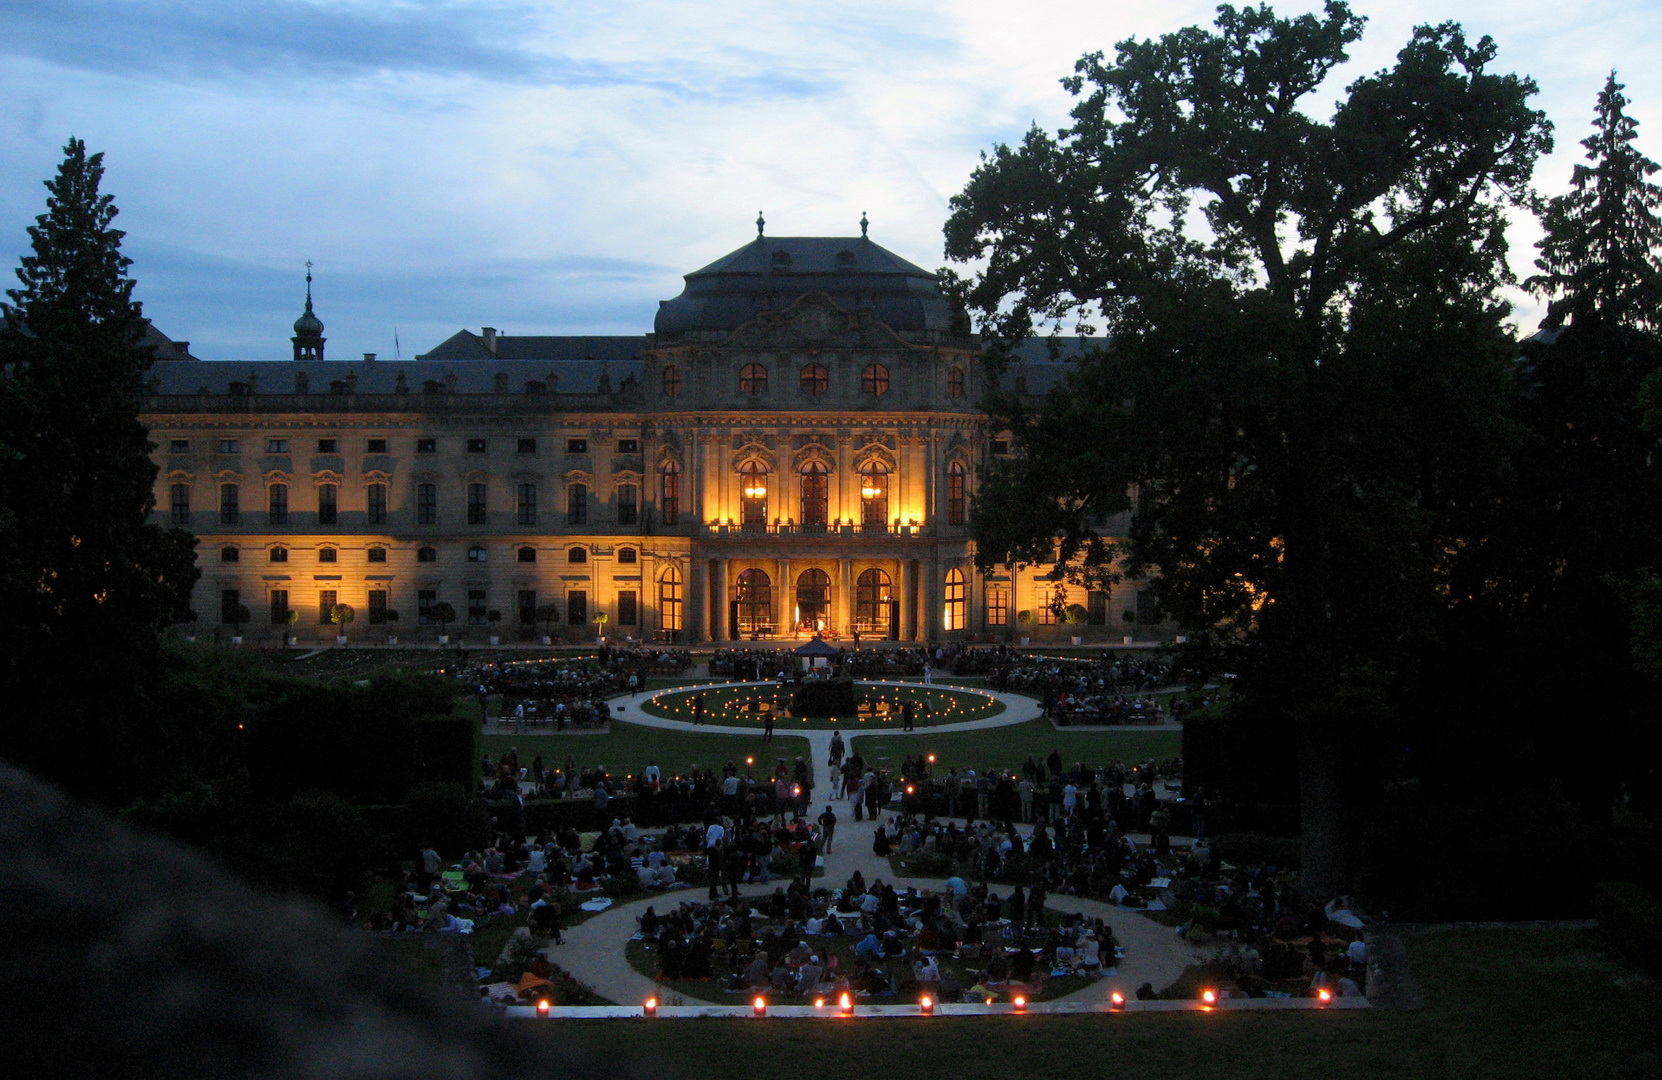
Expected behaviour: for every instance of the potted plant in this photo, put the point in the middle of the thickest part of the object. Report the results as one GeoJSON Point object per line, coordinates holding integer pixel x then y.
{"type": "Point", "coordinates": [547, 614]}
{"type": "Point", "coordinates": [600, 620]}
{"type": "Point", "coordinates": [340, 615]}
{"type": "Point", "coordinates": [493, 617]}
{"type": "Point", "coordinates": [390, 617]}
{"type": "Point", "coordinates": [1025, 617]}
{"type": "Point", "coordinates": [444, 615]}
{"type": "Point", "coordinates": [1075, 615]}
{"type": "Point", "coordinates": [239, 616]}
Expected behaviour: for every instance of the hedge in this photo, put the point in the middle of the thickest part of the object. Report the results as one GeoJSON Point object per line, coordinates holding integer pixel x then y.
{"type": "Point", "coordinates": [1630, 917]}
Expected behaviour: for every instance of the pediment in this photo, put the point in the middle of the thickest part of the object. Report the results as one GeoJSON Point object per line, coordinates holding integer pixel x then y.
{"type": "Point", "coordinates": [814, 321]}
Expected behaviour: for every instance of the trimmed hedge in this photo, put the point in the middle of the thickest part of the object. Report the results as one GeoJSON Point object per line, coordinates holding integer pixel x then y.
{"type": "Point", "coordinates": [1630, 918]}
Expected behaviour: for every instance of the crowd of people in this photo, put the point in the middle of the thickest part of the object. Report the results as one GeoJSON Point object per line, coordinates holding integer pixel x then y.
{"type": "Point", "coordinates": [655, 795]}
{"type": "Point", "coordinates": [869, 663]}
{"type": "Point", "coordinates": [567, 691]}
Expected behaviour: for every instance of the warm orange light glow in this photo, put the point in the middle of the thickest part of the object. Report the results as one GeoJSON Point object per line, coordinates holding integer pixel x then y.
{"type": "Point", "coordinates": [819, 1003]}
{"type": "Point", "coordinates": [910, 790]}
{"type": "Point", "coordinates": [846, 1004]}
{"type": "Point", "coordinates": [750, 761]}
{"type": "Point", "coordinates": [1116, 1000]}
{"type": "Point", "coordinates": [1209, 996]}
{"type": "Point", "coordinates": [927, 1004]}
{"type": "Point", "coordinates": [760, 1005]}
{"type": "Point", "coordinates": [931, 759]}
{"type": "Point", "coordinates": [1324, 995]}
{"type": "Point", "coordinates": [1019, 1002]}
{"type": "Point", "coordinates": [542, 1007]}
{"type": "Point", "coordinates": [650, 1007]}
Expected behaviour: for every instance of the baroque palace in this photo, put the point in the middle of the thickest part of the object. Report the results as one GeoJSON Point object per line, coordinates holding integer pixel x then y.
{"type": "Point", "coordinates": [793, 450]}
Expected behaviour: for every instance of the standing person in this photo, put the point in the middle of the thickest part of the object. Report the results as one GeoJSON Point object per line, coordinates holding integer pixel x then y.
{"type": "Point", "coordinates": [827, 827]}
{"type": "Point", "coordinates": [767, 727]}
{"type": "Point", "coordinates": [837, 750]}
{"type": "Point", "coordinates": [714, 835]}
{"type": "Point", "coordinates": [519, 718]}
{"type": "Point", "coordinates": [906, 715]}
{"type": "Point", "coordinates": [698, 708]}
{"type": "Point", "coordinates": [431, 866]}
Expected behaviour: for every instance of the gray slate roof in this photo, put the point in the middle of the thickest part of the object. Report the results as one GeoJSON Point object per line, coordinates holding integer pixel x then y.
{"type": "Point", "coordinates": [381, 376]}
{"type": "Point", "coordinates": [465, 345]}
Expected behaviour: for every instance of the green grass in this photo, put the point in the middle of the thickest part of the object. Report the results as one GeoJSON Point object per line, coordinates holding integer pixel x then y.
{"type": "Point", "coordinates": [721, 707]}
{"type": "Point", "coordinates": [1499, 1005]}
{"type": "Point", "coordinates": [1008, 747]}
{"type": "Point", "coordinates": [627, 747]}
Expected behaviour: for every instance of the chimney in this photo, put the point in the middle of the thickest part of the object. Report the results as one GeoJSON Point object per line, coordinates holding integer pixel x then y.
{"type": "Point", "coordinates": [368, 356]}
{"type": "Point", "coordinates": [489, 334]}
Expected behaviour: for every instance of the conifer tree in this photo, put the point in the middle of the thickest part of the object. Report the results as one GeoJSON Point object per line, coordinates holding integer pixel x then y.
{"type": "Point", "coordinates": [87, 582]}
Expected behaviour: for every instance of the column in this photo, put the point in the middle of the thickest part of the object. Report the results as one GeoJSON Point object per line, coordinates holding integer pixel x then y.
{"type": "Point", "coordinates": [931, 480]}
{"type": "Point", "coordinates": [840, 508]}
{"type": "Point", "coordinates": [845, 598]}
{"type": "Point", "coordinates": [718, 600]}
{"type": "Point", "coordinates": [908, 600]}
{"type": "Point", "coordinates": [694, 622]}
{"type": "Point", "coordinates": [785, 615]}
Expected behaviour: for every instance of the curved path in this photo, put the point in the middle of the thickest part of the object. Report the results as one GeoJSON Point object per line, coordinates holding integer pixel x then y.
{"type": "Point", "coordinates": [593, 950]}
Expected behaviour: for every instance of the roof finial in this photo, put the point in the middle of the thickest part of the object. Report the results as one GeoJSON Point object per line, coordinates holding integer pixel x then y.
{"type": "Point", "coordinates": [864, 225]}
{"type": "Point", "coordinates": [760, 224]}
{"type": "Point", "coordinates": [308, 284]}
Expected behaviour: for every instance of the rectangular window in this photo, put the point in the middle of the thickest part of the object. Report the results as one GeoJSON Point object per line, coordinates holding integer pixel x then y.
{"type": "Point", "coordinates": [577, 446]}
{"type": "Point", "coordinates": [628, 607]}
{"type": "Point", "coordinates": [1047, 610]}
{"type": "Point", "coordinates": [326, 601]}
{"type": "Point", "coordinates": [328, 446]}
{"type": "Point", "coordinates": [1000, 447]}
{"type": "Point", "coordinates": [627, 504]}
{"type": "Point", "coordinates": [327, 554]}
{"type": "Point", "coordinates": [527, 446]}
{"type": "Point", "coordinates": [628, 446]}
{"type": "Point", "coordinates": [375, 446]}
{"type": "Point", "coordinates": [577, 607]}
{"type": "Point", "coordinates": [179, 446]}
{"type": "Point", "coordinates": [228, 497]}
{"type": "Point", "coordinates": [1096, 608]}
{"type": "Point", "coordinates": [377, 507]}
{"type": "Point", "coordinates": [1148, 607]}
{"type": "Point", "coordinates": [476, 614]}
{"type": "Point", "coordinates": [669, 603]}
{"type": "Point", "coordinates": [526, 606]}
{"type": "Point", "coordinates": [427, 504]}
{"type": "Point", "coordinates": [476, 446]}
{"type": "Point", "coordinates": [526, 514]}
{"type": "Point", "coordinates": [228, 446]}
{"type": "Point", "coordinates": [180, 494]}
{"type": "Point", "coordinates": [328, 511]}
{"type": "Point", "coordinates": [377, 554]}
{"type": "Point", "coordinates": [476, 504]}
{"type": "Point", "coordinates": [577, 504]}
{"type": "Point", "coordinates": [230, 554]}
{"type": "Point", "coordinates": [670, 504]}
{"type": "Point", "coordinates": [279, 607]}
{"type": "Point", "coordinates": [427, 554]}
{"type": "Point", "coordinates": [229, 601]}
{"type": "Point", "coordinates": [377, 607]}
{"type": "Point", "coordinates": [277, 504]}
{"type": "Point", "coordinates": [998, 605]}
{"type": "Point", "coordinates": [427, 446]}
{"type": "Point", "coordinates": [276, 446]}
{"type": "Point", "coordinates": [277, 554]}
{"type": "Point", "coordinates": [426, 601]}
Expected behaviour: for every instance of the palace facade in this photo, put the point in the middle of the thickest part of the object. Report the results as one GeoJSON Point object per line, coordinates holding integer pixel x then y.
{"type": "Point", "coordinates": [793, 450]}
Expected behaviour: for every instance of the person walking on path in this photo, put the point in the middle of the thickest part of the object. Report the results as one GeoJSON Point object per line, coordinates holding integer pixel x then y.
{"type": "Point", "coordinates": [837, 751]}
{"type": "Point", "coordinates": [827, 828]}
{"type": "Point", "coordinates": [767, 727]}
{"type": "Point", "coordinates": [698, 708]}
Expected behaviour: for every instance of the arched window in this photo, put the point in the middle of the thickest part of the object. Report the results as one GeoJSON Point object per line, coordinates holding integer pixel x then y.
{"type": "Point", "coordinates": [813, 601]}
{"type": "Point", "coordinates": [627, 556]}
{"type": "Point", "coordinates": [628, 504]}
{"type": "Point", "coordinates": [669, 497]}
{"type": "Point", "coordinates": [669, 600]}
{"type": "Point", "coordinates": [955, 382]}
{"type": "Point", "coordinates": [872, 602]}
{"type": "Point", "coordinates": [672, 381]}
{"type": "Point", "coordinates": [875, 379]}
{"type": "Point", "coordinates": [376, 554]}
{"type": "Point", "coordinates": [577, 555]}
{"type": "Point", "coordinates": [816, 488]}
{"type": "Point", "coordinates": [278, 554]}
{"type": "Point", "coordinates": [427, 554]}
{"type": "Point", "coordinates": [955, 505]}
{"type": "Point", "coordinates": [328, 554]}
{"type": "Point", "coordinates": [753, 379]}
{"type": "Point", "coordinates": [527, 554]}
{"type": "Point", "coordinates": [954, 613]}
{"type": "Point", "coordinates": [577, 504]}
{"type": "Point", "coordinates": [815, 380]}
{"type": "Point", "coordinates": [753, 599]}
{"type": "Point", "coordinates": [277, 504]}
{"type": "Point", "coordinates": [874, 497]}
{"type": "Point", "coordinates": [753, 495]}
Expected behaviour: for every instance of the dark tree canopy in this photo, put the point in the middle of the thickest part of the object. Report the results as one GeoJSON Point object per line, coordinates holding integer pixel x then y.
{"type": "Point", "coordinates": [1298, 400]}
{"type": "Point", "coordinates": [86, 583]}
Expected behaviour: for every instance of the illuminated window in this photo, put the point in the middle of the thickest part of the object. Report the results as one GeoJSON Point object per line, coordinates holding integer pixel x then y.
{"type": "Point", "coordinates": [955, 607]}
{"type": "Point", "coordinates": [955, 382]}
{"type": "Point", "coordinates": [669, 600]}
{"type": "Point", "coordinates": [816, 488]}
{"type": "Point", "coordinates": [672, 381]}
{"type": "Point", "coordinates": [669, 499]}
{"type": "Point", "coordinates": [873, 602]}
{"type": "Point", "coordinates": [813, 601]}
{"type": "Point", "coordinates": [875, 379]}
{"type": "Point", "coordinates": [753, 592]}
{"type": "Point", "coordinates": [753, 379]}
{"type": "Point", "coordinates": [815, 380]}
{"type": "Point", "coordinates": [753, 495]}
{"type": "Point", "coordinates": [955, 505]}
{"type": "Point", "coordinates": [998, 605]}
{"type": "Point", "coordinates": [874, 497]}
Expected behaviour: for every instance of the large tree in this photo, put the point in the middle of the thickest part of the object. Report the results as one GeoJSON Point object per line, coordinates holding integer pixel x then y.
{"type": "Point", "coordinates": [86, 581]}
{"type": "Point", "coordinates": [1297, 400]}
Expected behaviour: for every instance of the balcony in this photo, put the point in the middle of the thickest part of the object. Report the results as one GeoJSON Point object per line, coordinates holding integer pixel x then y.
{"type": "Point", "coordinates": [787, 529]}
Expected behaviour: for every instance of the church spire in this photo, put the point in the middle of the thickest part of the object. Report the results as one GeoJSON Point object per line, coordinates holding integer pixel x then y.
{"type": "Point", "coordinates": [308, 329]}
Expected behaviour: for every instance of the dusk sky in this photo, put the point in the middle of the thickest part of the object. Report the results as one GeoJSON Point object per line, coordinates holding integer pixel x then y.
{"type": "Point", "coordinates": [555, 168]}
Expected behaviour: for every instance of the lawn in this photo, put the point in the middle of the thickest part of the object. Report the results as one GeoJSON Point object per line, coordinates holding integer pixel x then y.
{"type": "Point", "coordinates": [1008, 747]}
{"type": "Point", "coordinates": [732, 706]}
{"type": "Point", "coordinates": [1499, 1004]}
{"type": "Point", "coordinates": [626, 749]}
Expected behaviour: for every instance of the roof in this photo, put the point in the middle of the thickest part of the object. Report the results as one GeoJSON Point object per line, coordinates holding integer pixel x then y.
{"type": "Point", "coordinates": [394, 376]}
{"type": "Point", "coordinates": [465, 345]}
{"type": "Point", "coordinates": [770, 272]}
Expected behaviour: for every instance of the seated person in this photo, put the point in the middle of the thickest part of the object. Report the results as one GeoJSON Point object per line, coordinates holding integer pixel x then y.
{"type": "Point", "coordinates": [869, 947]}
{"type": "Point", "coordinates": [926, 970]}
{"type": "Point", "coordinates": [809, 975]}
{"type": "Point", "coordinates": [756, 976]}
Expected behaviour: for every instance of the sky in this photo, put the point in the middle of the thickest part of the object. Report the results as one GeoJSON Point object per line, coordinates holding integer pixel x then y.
{"type": "Point", "coordinates": [554, 168]}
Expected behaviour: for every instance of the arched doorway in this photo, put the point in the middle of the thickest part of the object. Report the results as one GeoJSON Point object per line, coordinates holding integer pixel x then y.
{"type": "Point", "coordinates": [813, 602]}
{"type": "Point", "coordinates": [874, 498]}
{"type": "Point", "coordinates": [752, 603]}
{"type": "Point", "coordinates": [874, 608]}
{"type": "Point", "coordinates": [753, 496]}
{"type": "Point", "coordinates": [816, 487]}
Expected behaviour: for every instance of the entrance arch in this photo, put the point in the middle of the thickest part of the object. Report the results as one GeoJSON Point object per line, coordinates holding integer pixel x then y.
{"type": "Point", "coordinates": [752, 602]}
{"type": "Point", "coordinates": [874, 607]}
{"type": "Point", "coordinates": [813, 601]}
